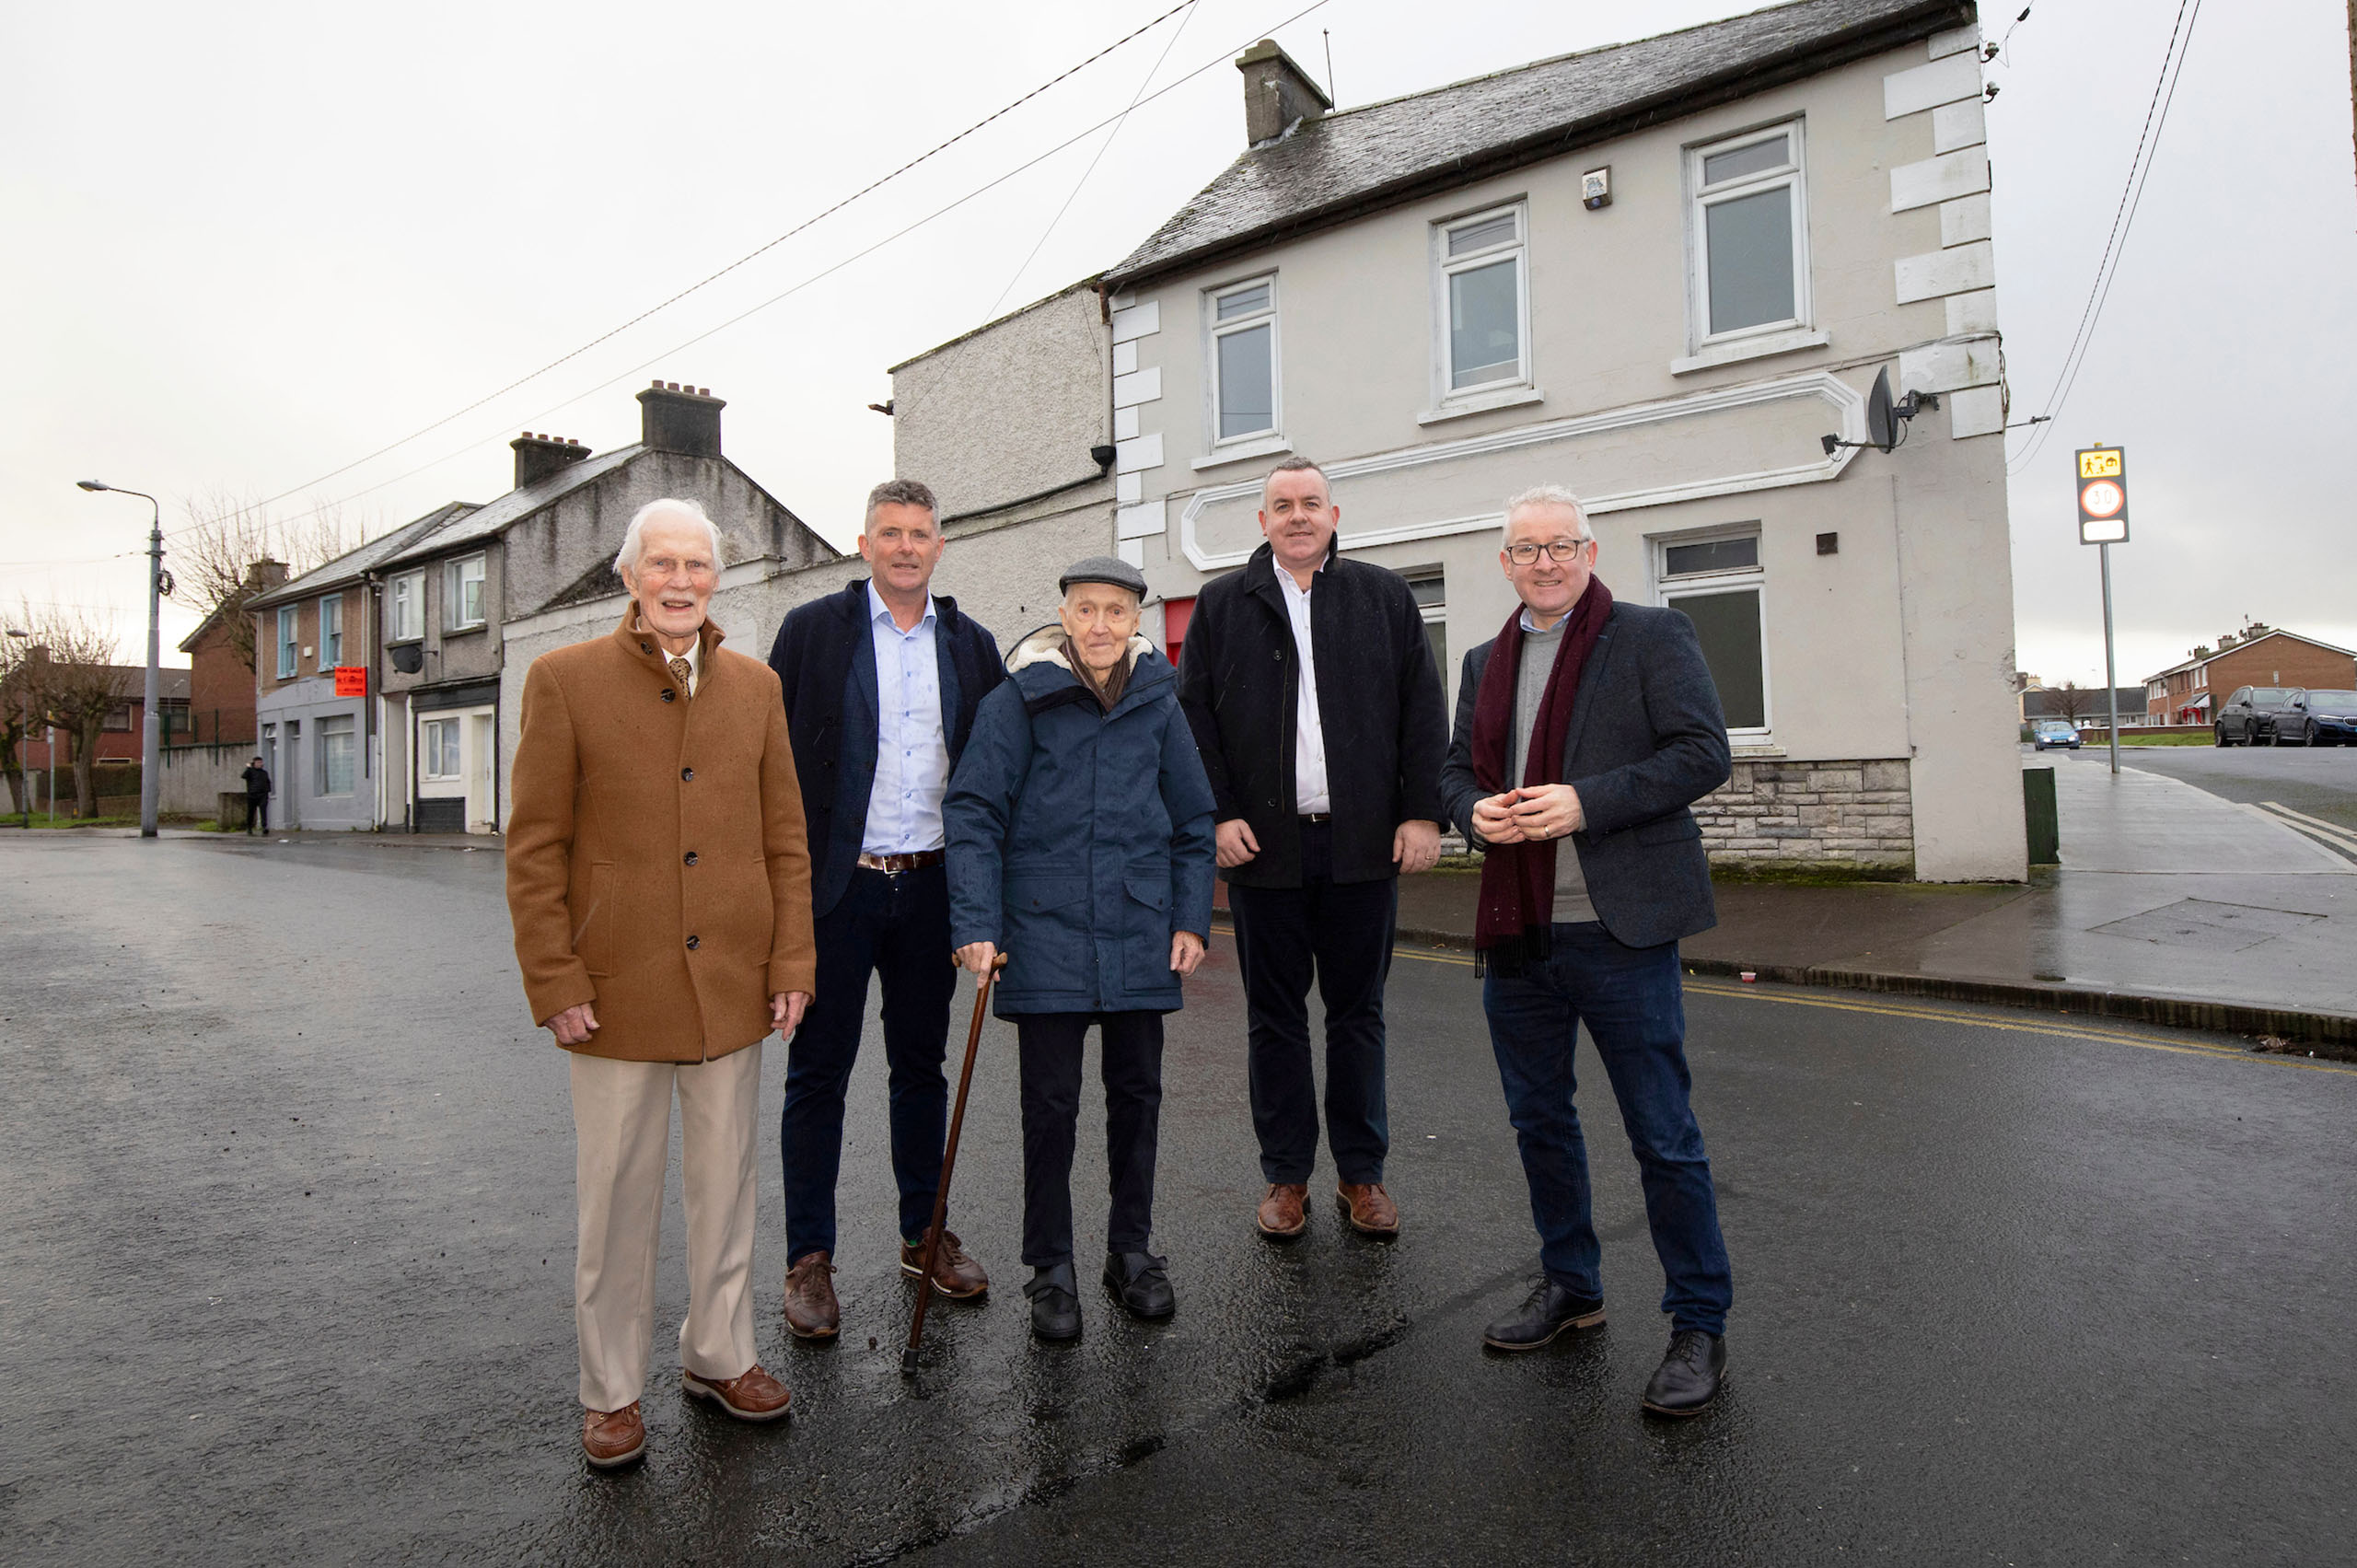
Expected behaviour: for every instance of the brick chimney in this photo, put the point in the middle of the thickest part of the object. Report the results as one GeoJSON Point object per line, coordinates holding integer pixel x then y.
{"type": "Point", "coordinates": [264, 576]}
{"type": "Point", "coordinates": [537, 456]}
{"type": "Point", "coordinates": [1277, 92]}
{"type": "Point", "coordinates": [673, 418]}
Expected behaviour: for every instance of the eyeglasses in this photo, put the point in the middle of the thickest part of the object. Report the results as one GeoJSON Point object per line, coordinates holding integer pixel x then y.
{"type": "Point", "coordinates": [1527, 554]}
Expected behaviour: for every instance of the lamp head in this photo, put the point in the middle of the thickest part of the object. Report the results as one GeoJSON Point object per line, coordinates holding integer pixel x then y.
{"type": "Point", "coordinates": [91, 484]}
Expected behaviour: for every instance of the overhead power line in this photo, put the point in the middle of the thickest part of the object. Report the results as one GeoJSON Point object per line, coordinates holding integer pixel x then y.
{"type": "Point", "coordinates": [757, 252]}
{"type": "Point", "coordinates": [832, 269]}
{"type": "Point", "coordinates": [2123, 217]}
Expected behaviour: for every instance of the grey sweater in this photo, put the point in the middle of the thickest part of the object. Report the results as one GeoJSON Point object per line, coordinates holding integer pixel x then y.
{"type": "Point", "coordinates": [1538, 651]}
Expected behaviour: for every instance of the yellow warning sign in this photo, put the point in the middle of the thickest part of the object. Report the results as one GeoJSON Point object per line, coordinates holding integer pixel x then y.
{"type": "Point", "coordinates": [2101, 463]}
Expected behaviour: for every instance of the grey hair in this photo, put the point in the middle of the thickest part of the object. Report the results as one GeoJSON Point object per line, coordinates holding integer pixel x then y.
{"type": "Point", "coordinates": [1298, 465]}
{"type": "Point", "coordinates": [634, 543]}
{"type": "Point", "coordinates": [901, 493]}
{"type": "Point", "coordinates": [1548, 495]}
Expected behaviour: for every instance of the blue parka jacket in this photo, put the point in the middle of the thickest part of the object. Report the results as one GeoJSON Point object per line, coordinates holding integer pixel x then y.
{"type": "Point", "coordinates": [1080, 840]}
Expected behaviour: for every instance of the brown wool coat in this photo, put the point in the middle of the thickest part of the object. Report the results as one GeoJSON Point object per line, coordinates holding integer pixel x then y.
{"type": "Point", "coordinates": [645, 819]}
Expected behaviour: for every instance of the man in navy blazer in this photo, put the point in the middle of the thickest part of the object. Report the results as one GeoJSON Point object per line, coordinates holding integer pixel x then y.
{"type": "Point", "coordinates": [881, 681]}
{"type": "Point", "coordinates": [1584, 730]}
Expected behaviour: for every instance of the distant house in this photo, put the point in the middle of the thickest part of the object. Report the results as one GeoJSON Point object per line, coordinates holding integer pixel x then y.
{"type": "Point", "coordinates": [124, 735]}
{"type": "Point", "coordinates": [2190, 692]}
{"type": "Point", "coordinates": [221, 667]}
{"type": "Point", "coordinates": [2085, 704]}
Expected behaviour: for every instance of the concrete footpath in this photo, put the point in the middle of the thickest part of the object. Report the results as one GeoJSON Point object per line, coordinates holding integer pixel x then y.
{"type": "Point", "coordinates": [2171, 906]}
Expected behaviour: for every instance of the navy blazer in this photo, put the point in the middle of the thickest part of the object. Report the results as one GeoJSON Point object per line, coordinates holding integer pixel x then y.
{"type": "Point", "coordinates": [824, 659]}
{"type": "Point", "coordinates": [1647, 739]}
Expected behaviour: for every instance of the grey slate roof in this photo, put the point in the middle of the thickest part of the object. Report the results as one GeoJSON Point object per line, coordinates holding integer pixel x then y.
{"type": "Point", "coordinates": [348, 567]}
{"type": "Point", "coordinates": [495, 517]}
{"type": "Point", "coordinates": [1328, 171]}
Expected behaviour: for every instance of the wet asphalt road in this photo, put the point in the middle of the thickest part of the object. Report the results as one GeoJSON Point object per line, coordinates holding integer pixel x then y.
{"type": "Point", "coordinates": [286, 1278]}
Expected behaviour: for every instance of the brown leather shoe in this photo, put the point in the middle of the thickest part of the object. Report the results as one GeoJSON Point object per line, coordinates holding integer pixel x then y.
{"type": "Point", "coordinates": [1368, 1208]}
{"type": "Point", "coordinates": [1280, 1216]}
{"type": "Point", "coordinates": [810, 1309]}
{"type": "Point", "coordinates": [955, 1275]}
{"type": "Point", "coordinates": [613, 1438]}
{"type": "Point", "coordinates": [751, 1395]}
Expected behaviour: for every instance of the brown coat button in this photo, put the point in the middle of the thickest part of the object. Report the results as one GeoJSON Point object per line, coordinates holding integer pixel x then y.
{"type": "Point", "coordinates": [691, 857]}
{"type": "Point", "coordinates": [669, 695]}
{"type": "Point", "coordinates": [688, 775]}
{"type": "Point", "coordinates": [693, 943]}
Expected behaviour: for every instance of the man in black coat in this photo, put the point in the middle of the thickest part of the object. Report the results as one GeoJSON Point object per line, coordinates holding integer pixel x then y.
{"type": "Point", "coordinates": [880, 681]}
{"type": "Point", "coordinates": [1584, 732]}
{"type": "Point", "coordinates": [1310, 686]}
{"type": "Point", "coordinates": [257, 797]}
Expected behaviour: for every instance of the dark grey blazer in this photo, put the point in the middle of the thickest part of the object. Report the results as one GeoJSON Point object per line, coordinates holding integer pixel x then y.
{"type": "Point", "coordinates": [1648, 740]}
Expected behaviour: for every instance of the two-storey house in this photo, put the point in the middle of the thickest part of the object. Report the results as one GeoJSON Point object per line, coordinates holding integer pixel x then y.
{"type": "Point", "coordinates": [1662, 273]}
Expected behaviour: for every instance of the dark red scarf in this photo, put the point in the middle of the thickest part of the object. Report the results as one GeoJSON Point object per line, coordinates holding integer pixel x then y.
{"type": "Point", "coordinates": [1517, 919]}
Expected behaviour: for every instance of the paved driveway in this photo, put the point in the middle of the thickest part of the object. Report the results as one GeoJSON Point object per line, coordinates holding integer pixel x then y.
{"type": "Point", "coordinates": [286, 1278]}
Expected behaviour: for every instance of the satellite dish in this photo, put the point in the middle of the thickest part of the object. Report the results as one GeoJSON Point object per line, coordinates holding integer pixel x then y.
{"type": "Point", "coordinates": [1882, 420]}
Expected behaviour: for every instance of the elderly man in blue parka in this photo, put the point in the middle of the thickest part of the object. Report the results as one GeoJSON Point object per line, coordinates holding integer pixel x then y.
{"type": "Point", "coordinates": [1080, 841]}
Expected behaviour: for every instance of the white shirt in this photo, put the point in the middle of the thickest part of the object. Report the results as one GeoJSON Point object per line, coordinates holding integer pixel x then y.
{"type": "Point", "coordinates": [911, 749]}
{"type": "Point", "coordinates": [1309, 790]}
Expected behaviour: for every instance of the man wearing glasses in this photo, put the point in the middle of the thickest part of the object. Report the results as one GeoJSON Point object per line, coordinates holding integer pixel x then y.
{"type": "Point", "coordinates": [1584, 732]}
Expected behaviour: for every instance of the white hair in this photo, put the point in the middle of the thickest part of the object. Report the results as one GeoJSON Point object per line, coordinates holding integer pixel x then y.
{"type": "Point", "coordinates": [1548, 495]}
{"type": "Point", "coordinates": [634, 544]}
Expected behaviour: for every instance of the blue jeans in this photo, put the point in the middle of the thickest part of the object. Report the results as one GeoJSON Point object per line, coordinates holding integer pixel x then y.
{"type": "Point", "coordinates": [1633, 1006]}
{"type": "Point", "coordinates": [896, 927]}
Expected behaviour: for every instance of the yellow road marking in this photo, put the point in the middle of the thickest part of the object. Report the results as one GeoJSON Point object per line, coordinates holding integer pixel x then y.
{"type": "Point", "coordinates": [1931, 1014]}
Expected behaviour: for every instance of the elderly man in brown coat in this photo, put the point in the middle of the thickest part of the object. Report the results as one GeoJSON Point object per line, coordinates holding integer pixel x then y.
{"type": "Point", "coordinates": [659, 881]}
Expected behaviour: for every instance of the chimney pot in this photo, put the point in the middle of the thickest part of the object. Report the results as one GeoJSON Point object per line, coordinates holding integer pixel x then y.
{"type": "Point", "coordinates": [686, 420]}
{"type": "Point", "coordinates": [1277, 92]}
{"type": "Point", "coordinates": [540, 454]}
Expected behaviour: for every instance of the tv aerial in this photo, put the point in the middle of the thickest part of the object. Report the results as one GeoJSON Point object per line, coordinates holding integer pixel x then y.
{"type": "Point", "coordinates": [1887, 419]}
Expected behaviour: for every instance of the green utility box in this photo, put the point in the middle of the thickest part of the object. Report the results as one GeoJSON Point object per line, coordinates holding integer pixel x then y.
{"type": "Point", "coordinates": [2038, 816]}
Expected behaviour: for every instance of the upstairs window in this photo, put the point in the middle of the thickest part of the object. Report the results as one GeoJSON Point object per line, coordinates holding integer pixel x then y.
{"type": "Point", "coordinates": [1748, 234]}
{"type": "Point", "coordinates": [1717, 584]}
{"type": "Point", "coordinates": [330, 631]}
{"type": "Point", "coordinates": [1484, 301]}
{"type": "Point", "coordinates": [287, 642]}
{"type": "Point", "coordinates": [462, 607]}
{"type": "Point", "coordinates": [1244, 359]}
{"type": "Point", "coordinates": [405, 612]}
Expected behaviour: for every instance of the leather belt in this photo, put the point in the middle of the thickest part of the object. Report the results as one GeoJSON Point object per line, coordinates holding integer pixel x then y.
{"type": "Point", "coordinates": [1317, 815]}
{"type": "Point", "coordinates": [893, 864]}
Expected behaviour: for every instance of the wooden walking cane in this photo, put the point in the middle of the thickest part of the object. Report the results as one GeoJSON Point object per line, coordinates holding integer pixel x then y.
{"type": "Point", "coordinates": [948, 1164]}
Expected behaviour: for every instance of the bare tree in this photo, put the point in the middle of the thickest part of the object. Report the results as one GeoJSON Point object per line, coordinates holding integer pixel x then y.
{"type": "Point", "coordinates": [79, 685]}
{"type": "Point", "coordinates": [2070, 701]}
{"type": "Point", "coordinates": [21, 705]}
{"type": "Point", "coordinates": [212, 561]}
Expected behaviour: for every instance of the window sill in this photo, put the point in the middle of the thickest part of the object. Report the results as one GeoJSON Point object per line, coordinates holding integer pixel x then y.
{"type": "Point", "coordinates": [1755, 750]}
{"type": "Point", "coordinates": [1482, 402]}
{"type": "Point", "coordinates": [1260, 447]}
{"type": "Point", "coordinates": [1741, 349]}
{"type": "Point", "coordinates": [461, 631]}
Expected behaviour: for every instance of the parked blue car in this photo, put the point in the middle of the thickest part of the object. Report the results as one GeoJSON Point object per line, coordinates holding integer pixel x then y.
{"type": "Point", "coordinates": [2317, 718]}
{"type": "Point", "coordinates": [2044, 733]}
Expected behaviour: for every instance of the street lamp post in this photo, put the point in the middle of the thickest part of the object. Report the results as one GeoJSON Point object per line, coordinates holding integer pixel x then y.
{"type": "Point", "coordinates": [149, 758]}
{"type": "Point", "coordinates": [25, 747]}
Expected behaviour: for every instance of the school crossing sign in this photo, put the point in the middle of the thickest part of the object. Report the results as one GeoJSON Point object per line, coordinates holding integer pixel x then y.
{"type": "Point", "coordinates": [2103, 495]}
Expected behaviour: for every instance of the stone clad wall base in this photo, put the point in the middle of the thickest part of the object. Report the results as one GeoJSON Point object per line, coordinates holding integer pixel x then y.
{"type": "Point", "coordinates": [1858, 813]}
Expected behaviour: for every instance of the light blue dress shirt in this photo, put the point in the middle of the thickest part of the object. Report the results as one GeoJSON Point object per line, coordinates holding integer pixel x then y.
{"type": "Point", "coordinates": [911, 749]}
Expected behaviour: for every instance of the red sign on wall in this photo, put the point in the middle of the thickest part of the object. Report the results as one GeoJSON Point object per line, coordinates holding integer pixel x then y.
{"type": "Point", "coordinates": [352, 680]}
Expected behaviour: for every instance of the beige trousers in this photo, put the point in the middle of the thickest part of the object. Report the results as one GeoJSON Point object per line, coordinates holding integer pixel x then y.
{"type": "Point", "coordinates": [622, 1123]}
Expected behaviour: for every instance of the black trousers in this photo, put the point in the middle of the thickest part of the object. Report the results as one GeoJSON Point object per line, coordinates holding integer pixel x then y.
{"type": "Point", "coordinates": [1050, 1045]}
{"type": "Point", "coordinates": [257, 814]}
{"type": "Point", "coordinates": [1339, 933]}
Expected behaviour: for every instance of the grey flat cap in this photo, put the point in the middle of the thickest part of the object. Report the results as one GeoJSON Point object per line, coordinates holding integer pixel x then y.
{"type": "Point", "coordinates": [1109, 569]}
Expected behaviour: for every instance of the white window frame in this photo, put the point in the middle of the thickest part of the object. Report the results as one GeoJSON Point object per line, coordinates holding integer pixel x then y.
{"type": "Point", "coordinates": [330, 643]}
{"type": "Point", "coordinates": [321, 733]}
{"type": "Point", "coordinates": [289, 635]}
{"type": "Point", "coordinates": [1793, 175]}
{"type": "Point", "coordinates": [1668, 590]}
{"type": "Point", "coordinates": [429, 749]}
{"type": "Point", "coordinates": [1213, 329]}
{"type": "Point", "coordinates": [405, 596]}
{"type": "Point", "coordinates": [1444, 266]}
{"type": "Point", "coordinates": [1434, 614]}
{"type": "Point", "coordinates": [453, 592]}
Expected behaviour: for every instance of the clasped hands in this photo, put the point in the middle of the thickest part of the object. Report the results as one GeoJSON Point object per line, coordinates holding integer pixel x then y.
{"type": "Point", "coordinates": [1530, 813]}
{"type": "Point", "coordinates": [1186, 954]}
{"type": "Point", "coordinates": [578, 1022]}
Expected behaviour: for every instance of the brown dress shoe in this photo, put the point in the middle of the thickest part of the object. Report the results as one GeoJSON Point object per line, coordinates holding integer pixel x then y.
{"type": "Point", "coordinates": [751, 1395]}
{"type": "Point", "coordinates": [1280, 1213]}
{"type": "Point", "coordinates": [810, 1309]}
{"type": "Point", "coordinates": [955, 1275]}
{"type": "Point", "coordinates": [613, 1438]}
{"type": "Point", "coordinates": [1368, 1208]}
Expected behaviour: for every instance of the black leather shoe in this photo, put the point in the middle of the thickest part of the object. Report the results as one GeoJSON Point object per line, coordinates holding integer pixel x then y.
{"type": "Point", "coordinates": [1055, 1301]}
{"type": "Point", "coordinates": [1690, 1375]}
{"type": "Point", "coordinates": [1551, 1310]}
{"type": "Point", "coordinates": [1139, 1279]}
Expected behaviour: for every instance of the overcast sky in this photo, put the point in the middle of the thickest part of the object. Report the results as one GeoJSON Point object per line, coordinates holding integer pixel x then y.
{"type": "Point", "coordinates": [250, 245]}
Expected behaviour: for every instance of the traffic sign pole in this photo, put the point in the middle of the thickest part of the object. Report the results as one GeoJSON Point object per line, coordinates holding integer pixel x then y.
{"type": "Point", "coordinates": [2111, 677]}
{"type": "Point", "coordinates": [2103, 522]}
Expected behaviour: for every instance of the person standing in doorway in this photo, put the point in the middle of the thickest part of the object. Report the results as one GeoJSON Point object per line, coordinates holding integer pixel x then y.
{"type": "Point", "coordinates": [1310, 686]}
{"type": "Point", "coordinates": [880, 682]}
{"type": "Point", "coordinates": [256, 799]}
{"type": "Point", "coordinates": [1584, 732]}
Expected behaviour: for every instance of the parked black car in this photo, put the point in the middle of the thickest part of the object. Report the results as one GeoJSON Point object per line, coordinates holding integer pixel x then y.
{"type": "Point", "coordinates": [2248, 718]}
{"type": "Point", "coordinates": [2317, 718]}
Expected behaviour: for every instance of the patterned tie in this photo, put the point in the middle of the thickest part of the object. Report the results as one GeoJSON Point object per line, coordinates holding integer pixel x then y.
{"type": "Point", "coordinates": [680, 673]}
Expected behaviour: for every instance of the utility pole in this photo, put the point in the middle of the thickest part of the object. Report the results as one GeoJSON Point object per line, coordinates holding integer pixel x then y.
{"type": "Point", "coordinates": [2353, 71]}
